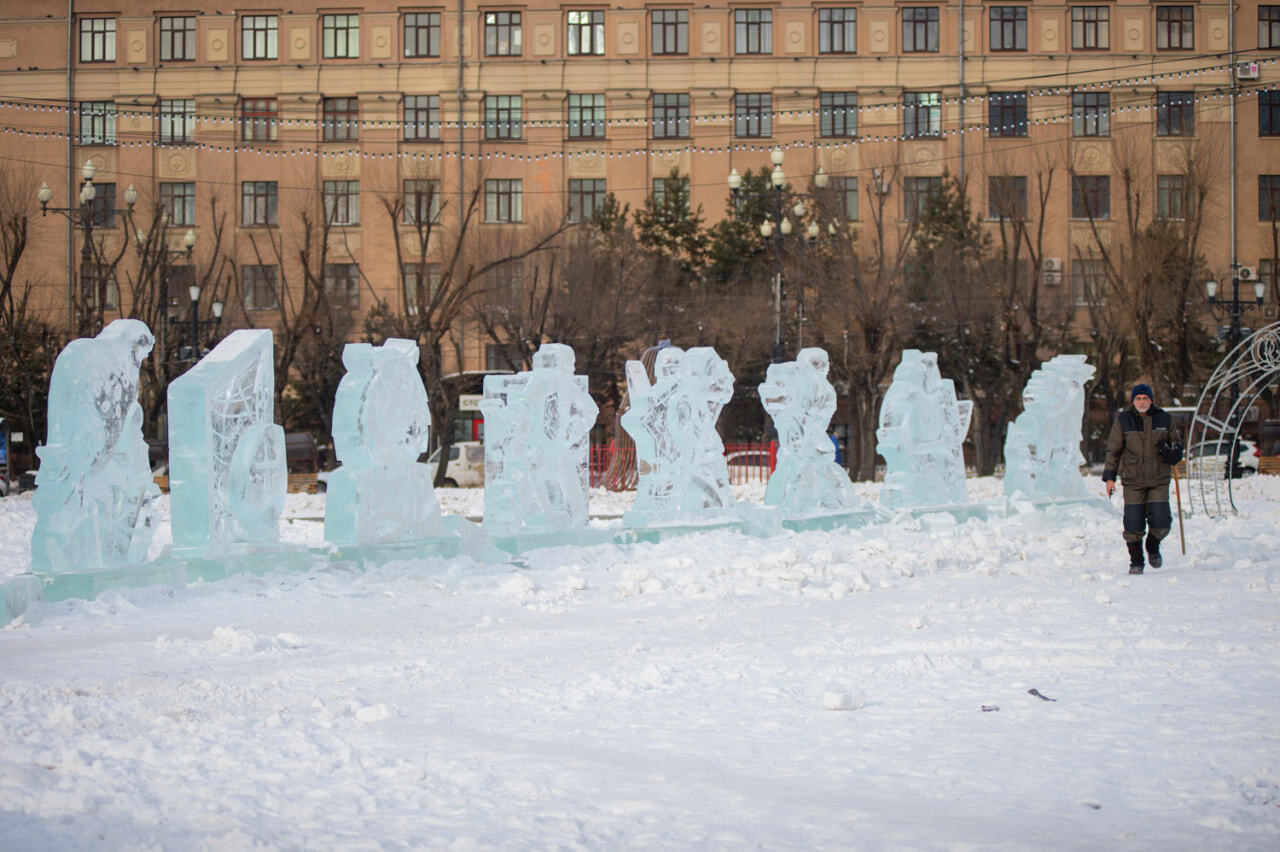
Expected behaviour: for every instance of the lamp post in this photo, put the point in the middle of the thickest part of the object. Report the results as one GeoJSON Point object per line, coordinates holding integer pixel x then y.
{"type": "Point", "coordinates": [779, 199]}
{"type": "Point", "coordinates": [1234, 310]}
{"type": "Point", "coordinates": [197, 323]}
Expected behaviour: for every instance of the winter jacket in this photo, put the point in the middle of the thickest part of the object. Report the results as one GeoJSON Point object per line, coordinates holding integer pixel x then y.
{"type": "Point", "coordinates": [1131, 448]}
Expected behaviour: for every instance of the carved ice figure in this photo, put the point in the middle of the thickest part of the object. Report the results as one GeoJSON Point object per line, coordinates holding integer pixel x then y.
{"type": "Point", "coordinates": [227, 474]}
{"type": "Point", "coordinates": [679, 454]}
{"type": "Point", "coordinates": [801, 401]}
{"type": "Point", "coordinates": [922, 428]}
{"type": "Point", "coordinates": [537, 439]}
{"type": "Point", "coordinates": [381, 425]}
{"type": "Point", "coordinates": [95, 497]}
{"type": "Point", "coordinates": [1042, 455]}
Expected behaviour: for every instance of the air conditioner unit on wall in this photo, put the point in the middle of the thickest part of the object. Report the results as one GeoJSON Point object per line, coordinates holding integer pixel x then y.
{"type": "Point", "coordinates": [1247, 273]}
{"type": "Point", "coordinates": [1051, 264]}
{"type": "Point", "coordinates": [1247, 70]}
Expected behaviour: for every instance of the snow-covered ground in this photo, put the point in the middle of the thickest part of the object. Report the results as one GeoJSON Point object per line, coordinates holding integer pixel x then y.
{"type": "Point", "coordinates": [669, 696]}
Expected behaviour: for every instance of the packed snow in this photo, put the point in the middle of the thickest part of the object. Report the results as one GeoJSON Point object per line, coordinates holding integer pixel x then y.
{"type": "Point", "coordinates": [929, 685]}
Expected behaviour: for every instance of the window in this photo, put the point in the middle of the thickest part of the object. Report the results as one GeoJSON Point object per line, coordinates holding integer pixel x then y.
{"type": "Point", "coordinates": [97, 123]}
{"type": "Point", "coordinates": [103, 207]}
{"type": "Point", "coordinates": [98, 286]}
{"type": "Point", "coordinates": [341, 283]}
{"type": "Point", "coordinates": [586, 33]}
{"type": "Point", "coordinates": [178, 201]}
{"type": "Point", "coordinates": [421, 117]}
{"type": "Point", "coordinates": [341, 202]}
{"type": "Point", "coordinates": [669, 31]}
{"type": "Point", "coordinates": [1008, 27]}
{"type": "Point", "coordinates": [585, 198]}
{"type": "Point", "coordinates": [1090, 196]}
{"type": "Point", "coordinates": [97, 39]}
{"type": "Point", "coordinates": [846, 193]}
{"type": "Point", "coordinates": [503, 200]}
{"type": "Point", "coordinates": [1006, 197]}
{"type": "Point", "coordinates": [1089, 280]}
{"type": "Point", "coordinates": [340, 36]}
{"type": "Point", "coordinates": [502, 116]}
{"type": "Point", "coordinates": [1175, 113]}
{"type": "Point", "coordinates": [838, 114]}
{"type": "Point", "coordinates": [422, 201]}
{"type": "Point", "coordinates": [258, 285]}
{"type": "Point", "coordinates": [753, 31]}
{"type": "Point", "coordinates": [177, 121]}
{"type": "Point", "coordinates": [341, 119]}
{"type": "Point", "coordinates": [1267, 269]}
{"type": "Point", "coordinates": [920, 29]}
{"type": "Point", "coordinates": [1091, 114]}
{"type": "Point", "coordinates": [421, 34]}
{"type": "Point", "coordinates": [177, 38]}
{"type": "Point", "coordinates": [837, 30]}
{"type": "Point", "coordinates": [670, 116]}
{"type": "Point", "coordinates": [503, 285]}
{"type": "Point", "coordinates": [752, 115]}
{"type": "Point", "coordinates": [258, 202]}
{"type": "Point", "coordinates": [501, 33]}
{"type": "Point", "coordinates": [259, 119]}
{"type": "Point", "coordinates": [1090, 28]}
{"type": "Point", "coordinates": [258, 36]}
{"type": "Point", "coordinates": [1268, 198]}
{"type": "Point", "coordinates": [499, 356]}
{"type": "Point", "coordinates": [679, 189]}
{"type": "Point", "coordinates": [1268, 27]}
{"type": "Point", "coordinates": [1007, 113]}
{"type": "Point", "coordinates": [586, 116]}
{"type": "Point", "coordinates": [1173, 201]}
{"type": "Point", "coordinates": [1175, 28]}
{"type": "Point", "coordinates": [421, 283]}
{"type": "Point", "coordinates": [916, 192]}
{"type": "Point", "coordinates": [922, 114]}
{"type": "Point", "coordinates": [1269, 113]}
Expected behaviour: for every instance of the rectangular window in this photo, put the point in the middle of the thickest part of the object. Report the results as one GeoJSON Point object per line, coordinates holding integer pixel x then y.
{"type": "Point", "coordinates": [340, 36]}
{"type": "Point", "coordinates": [586, 33]}
{"type": "Point", "coordinates": [846, 191]}
{"type": "Point", "coordinates": [422, 201]}
{"type": "Point", "coordinates": [177, 121]}
{"type": "Point", "coordinates": [1007, 113]}
{"type": "Point", "coordinates": [421, 34]}
{"type": "Point", "coordinates": [503, 200]}
{"type": "Point", "coordinates": [1090, 196]}
{"type": "Point", "coordinates": [752, 31]}
{"type": "Point", "coordinates": [752, 115]}
{"type": "Point", "coordinates": [585, 198]}
{"type": "Point", "coordinates": [341, 202]}
{"type": "Point", "coordinates": [1175, 28]}
{"type": "Point", "coordinates": [916, 192]}
{"type": "Point", "coordinates": [421, 117]}
{"type": "Point", "coordinates": [1089, 281]}
{"type": "Point", "coordinates": [680, 189]}
{"type": "Point", "coordinates": [1006, 197]}
{"type": "Point", "coordinates": [922, 114]}
{"type": "Point", "coordinates": [258, 285]}
{"type": "Point", "coordinates": [259, 119]}
{"type": "Point", "coordinates": [103, 207]}
{"type": "Point", "coordinates": [97, 123]}
{"type": "Point", "coordinates": [340, 119]}
{"type": "Point", "coordinates": [920, 29]}
{"type": "Point", "coordinates": [1008, 27]}
{"type": "Point", "coordinates": [501, 33]}
{"type": "Point", "coordinates": [1175, 113]}
{"type": "Point", "coordinates": [1268, 198]}
{"type": "Point", "coordinates": [1269, 113]}
{"type": "Point", "coordinates": [837, 30]}
{"type": "Point", "coordinates": [838, 114]}
{"type": "Point", "coordinates": [178, 201]}
{"type": "Point", "coordinates": [97, 39]}
{"type": "Point", "coordinates": [503, 286]}
{"type": "Point", "coordinates": [99, 287]}
{"type": "Point", "coordinates": [1090, 28]}
{"type": "Point", "coordinates": [1091, 114]}
{"type": "Point", "coordinates": [502, 116]}
{"type": "Point", "coordinates": [586, 116]}
{"type": "Point", "coordinates": [670, 116]}
{"type": "Point", "coordinates": [341, 283]}
{"type": "Point", "coordinates": [177, 38]}
{"type": "Point", "coordinates": [1268, 27]}
{"type": "Point", "coordinates": [1172, 198]}
{"type": "Point", "coordinates": [669, 31]}
{"type": "Point", "coordinates": [259, 35]}
{"type": "Point", "coordinates": [258, 202]}
{"type": "Point", "coordinates": [421, 284]}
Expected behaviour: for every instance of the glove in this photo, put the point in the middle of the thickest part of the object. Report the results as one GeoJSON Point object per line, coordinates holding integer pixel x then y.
{"type": "Point", "coordinates": [1170, 452]}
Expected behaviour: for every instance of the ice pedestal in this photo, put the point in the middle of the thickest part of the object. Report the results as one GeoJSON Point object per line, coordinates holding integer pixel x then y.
{"type": "Point", "coordinates": [95, 497]}
{"type": "Point", "coordinates": [1042, 455]}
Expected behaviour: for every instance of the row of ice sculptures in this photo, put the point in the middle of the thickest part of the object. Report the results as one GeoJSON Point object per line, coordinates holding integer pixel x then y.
{"type": "Point", "coordinates": [96, 499]}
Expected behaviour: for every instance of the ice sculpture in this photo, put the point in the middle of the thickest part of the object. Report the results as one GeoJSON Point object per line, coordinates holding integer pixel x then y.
{"type": "Point", "coordinates": [381, 425]}
{"type": "Point", "coordinates": [227, 474]}
{"type": "Point", "coordinates": [537, 438]}
{"type": "Point", "coordinates": [95, 497]}
{"type": "Point", "coordinates": [1042, 455]}
{"type": "Point", "coordinates": [801, 401]}
{"type": "Point", "coordinates": [673, 421]}
{"type": "Point", "coordinates": [922, 428]}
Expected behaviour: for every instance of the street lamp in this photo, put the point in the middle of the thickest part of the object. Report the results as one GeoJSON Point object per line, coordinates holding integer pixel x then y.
{"type": "Point", "coordinates": [1233, 310]}
{"type": "Point", "coordinates": [196, 323]}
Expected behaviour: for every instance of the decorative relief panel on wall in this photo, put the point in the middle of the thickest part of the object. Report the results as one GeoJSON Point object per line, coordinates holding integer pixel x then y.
{"type": "Point", "coordinates": [8, 48]}
{"type": "Point", "coordinates": [217, 44]}
{"type": "Point", "coordinates": [586, 165]}
{"type": "Point", "coordinates": [923, 158]}
{"type": "Point", "coordinates": [878, 35]}
{"type": "Point", "coordinates": [1049, 36]}
{"type": "Point", "coordinates": [175, 165]}
{"type": "Point", "coordinates": [1091, 158]}
{"type": "Point", "coordinates": [544, 39]}
{"type": "Point", "coordinates": [340, 168]}
{"type": "Point", "coordinates": [793, 39]}
{"type": "Point", "coordinates": [380, 42]}
{"type": "Point", "coordinates": [1133, 33]}
{"type": "Point", "coordinates": [628, 38]}
{"type": "Point", "coordinates": [1217, 32]}
{"type": "Point", "coordinates": [135, 46]}
{"type": "Point", "coordinates": [711, 37]}
{"type": "Point", "coordinates": [299, 43]}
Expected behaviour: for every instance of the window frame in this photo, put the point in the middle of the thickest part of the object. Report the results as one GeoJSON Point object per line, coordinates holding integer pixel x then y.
{"type": "Point", "coordinates": [916, 191]}
{"type": "Point", "coordinates": [175, 125]}
{"type": "Point", "coordinates": [259, 34]}
{"type": "Point", "coordinates": [1269, 113]}
{"type": "Point", "coordinates": [588, 33]}
{"type": "Point", "coordinates": [1175, 24]}
{"type": "Point", "coordinates": [340, 35]}
{"type": "Point", "coordinates": [1175, 114]}
{"type": "Point", "coordinates": [259, 203]}
{"type": "Point", "coordinates": [259, 119]}
{"type": "Point", "coordinates": [663, 32]}
{"type": "Point", "coordinates": [1173, 197]}
{"type": "Point", "coordinates": [578, 125]}
{"type": "Point", "coordinates": [413, 108]}
{"type": "Point", "coordinates": [420, 35]}
{"type": "Point", "coordinates": [100, 117]}
{"type": "Point", "coordinates": [1090, 109]}
{"type": "Point", "coordinates": [98, 35]}
{"type": "Point", "coordinates": [1268, 197]}
{"type": "Point", "coordinates": [1268, 27]}
{"type": "Point", "coordinates": [411, 278]}
{"type": "Point", "coordinates": [753, 32]}
{"type": "Point", "coordinates": [838, 115]}
{"type": "Point", "coordinates": [341, 275]}
{"type": "Point", "coordinates": [419, 196]}
{"type": "Point", "coordinates": [170, 36]}
{"type": "Point", "coordinates": [1088, 191]}
{"type": "Point", "coordinates": [1010, 25]}
{"type": "Point", "coordinates": [845, 189]}
{"type": "Point", "coordinates": [496, 23]}
{"type": "Point", "coordinates": [679, 109]}
{"type": "Point", "coordinates": [341, 202]}
{"type": "Point", "coordinates": [921, 108]}
{"type": "Point", "coordinates": [503, 116]}
{"type": "Point", "coordinates": [582, 197]}
{"type": "Point", "coordinates": [837, 30]}
{"type": "Point", "coordinates": [753, 115]}
{"type": "Point", "coordinates": [1007, 115]}
{"type": "Point", "coordinates": [1090, 27]}
{"type": "Point", "coordinates": [1000, 187]}
{"type": "Point", "coordinates": [253, 280]}
{"type": "Point", "coordinates": [503, 201]}
{"type": "Point", "coordinates": [102, 209]}
{"type": "Point", "coordinates": [920, 29]}
{"type": "Point", "coordinates": [339, 119]}
{"type": "Point", "coordinates": [177, 199]}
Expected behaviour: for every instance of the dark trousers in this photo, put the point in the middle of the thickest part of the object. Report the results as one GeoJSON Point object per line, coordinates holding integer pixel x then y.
{"type": "Point", "coordinates": [1147, 509]}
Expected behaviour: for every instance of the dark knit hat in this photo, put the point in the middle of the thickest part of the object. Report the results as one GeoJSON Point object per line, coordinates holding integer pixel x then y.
{"type": "Point", "coordinates": [1142, 389]}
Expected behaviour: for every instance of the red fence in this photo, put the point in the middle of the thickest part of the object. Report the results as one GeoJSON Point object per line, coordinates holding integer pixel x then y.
{"type": "Point", "coordinates": [747, 462]}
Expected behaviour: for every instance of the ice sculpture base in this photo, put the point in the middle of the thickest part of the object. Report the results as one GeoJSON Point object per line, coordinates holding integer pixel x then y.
{"type": "Point", "coordinates": [653, 527]}
{"type": "Point", "coordinates": [960, 512]}
{"type": "Point", "coordinates": [461, 538]}
{"type": "Point", "coordinates": [823, 521]}
{"type": "Point", "coordinates": [585, 537]}
{"type": "Point", "coordinates": [1018, 503]}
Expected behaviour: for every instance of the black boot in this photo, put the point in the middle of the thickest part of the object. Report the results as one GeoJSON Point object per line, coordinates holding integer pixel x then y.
{"type": "Point", "coordinates": [1153, 552]}
{"type": "Point", "coordinates": [1135, 557]}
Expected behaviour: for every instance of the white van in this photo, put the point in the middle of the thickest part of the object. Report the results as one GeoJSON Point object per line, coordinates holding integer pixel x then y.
{"type": "Point", "coordinates": [466, 465]}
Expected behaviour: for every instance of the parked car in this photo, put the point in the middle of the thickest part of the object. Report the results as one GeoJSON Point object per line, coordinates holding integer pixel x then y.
{"type": "Point", "coordinates": [466, 465]}
{"type": "Point", "coordinates": [1214, 455]}
{"type": "Point", "coordinates": [748, 466]}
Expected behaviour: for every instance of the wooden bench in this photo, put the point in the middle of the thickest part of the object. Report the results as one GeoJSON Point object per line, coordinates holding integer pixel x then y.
{"type": "Point", "coordinates": [1270, 465]}
{"type": "Point", "coordinates": [299, 483]}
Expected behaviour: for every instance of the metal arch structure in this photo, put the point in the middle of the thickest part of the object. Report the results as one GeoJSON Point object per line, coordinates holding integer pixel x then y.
{"type": "Point", "coordinates": [1241, 377]}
